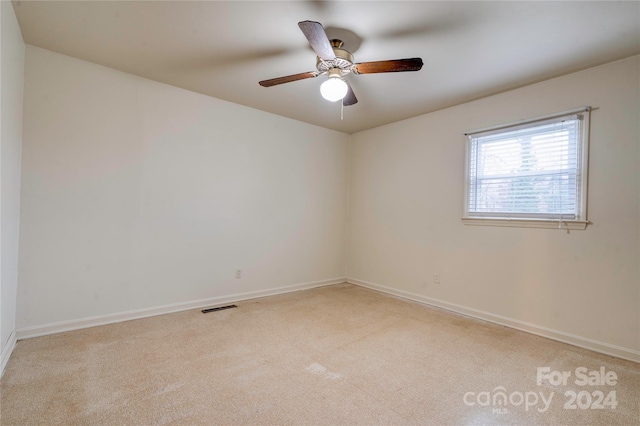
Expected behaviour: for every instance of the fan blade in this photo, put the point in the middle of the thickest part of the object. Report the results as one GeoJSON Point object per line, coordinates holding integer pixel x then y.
{"type": "Point", "coordinates": [350, 98]}
{"type": "Point", "coordinates": [395, 65]}
{"type": "Point", "coordinates": [314, 32]}
{"type": "Point", "coordinates": [288, 79]}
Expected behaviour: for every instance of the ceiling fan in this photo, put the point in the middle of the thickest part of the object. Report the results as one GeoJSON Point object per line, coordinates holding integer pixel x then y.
{"type": "Point", "coordinates": [336, 62]}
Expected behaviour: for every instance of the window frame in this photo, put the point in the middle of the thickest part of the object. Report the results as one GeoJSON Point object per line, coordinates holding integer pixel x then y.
{"type": "Point", "coordinates": [519, 219]}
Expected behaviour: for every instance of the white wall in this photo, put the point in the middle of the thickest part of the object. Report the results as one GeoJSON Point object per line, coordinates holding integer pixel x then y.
{"type": "Point", "coordinates": [11, 84]}
{"type": "Point", "coordinates": [406, 201]}
{"type": "Point", "coordinates": [138, 195]}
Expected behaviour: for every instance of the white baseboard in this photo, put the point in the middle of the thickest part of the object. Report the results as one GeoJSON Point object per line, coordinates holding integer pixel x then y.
{"type": "Point", "coordinates": [572, 339]}
{"type": "Point", "coordinates": [583, 342]}
{"type": "Point", "coordinates": [6, 352]}
{"type": "Point", "coordinates": [59, 327]}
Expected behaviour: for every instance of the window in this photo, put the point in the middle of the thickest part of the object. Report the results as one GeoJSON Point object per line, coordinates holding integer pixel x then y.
{"type": "Point", "coordinates": [532, 173]}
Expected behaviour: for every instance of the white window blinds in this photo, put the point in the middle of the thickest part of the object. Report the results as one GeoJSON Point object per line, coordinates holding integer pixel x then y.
{"type": "Point", "coordinates": [532, 170]}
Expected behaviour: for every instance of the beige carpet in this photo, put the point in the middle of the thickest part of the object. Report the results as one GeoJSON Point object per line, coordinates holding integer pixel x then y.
{"type": "Point", "coordinates": [338, 355]}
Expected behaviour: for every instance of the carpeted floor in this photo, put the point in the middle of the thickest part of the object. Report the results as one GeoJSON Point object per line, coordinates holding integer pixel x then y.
{"type": "Point", "coordinates": [337, 355]}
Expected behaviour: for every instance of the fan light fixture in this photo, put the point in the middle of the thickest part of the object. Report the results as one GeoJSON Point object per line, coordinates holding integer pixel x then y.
{"type": "Point", "coordinates": [335, 87]}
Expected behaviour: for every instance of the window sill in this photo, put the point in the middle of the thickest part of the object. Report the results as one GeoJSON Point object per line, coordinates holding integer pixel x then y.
{"type": "Point", "coordinates": [572, 225]}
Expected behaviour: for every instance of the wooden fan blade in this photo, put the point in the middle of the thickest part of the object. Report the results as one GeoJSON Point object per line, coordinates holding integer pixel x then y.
{"type": "Point", "coordinates": [288, 79]}
{"type": "Point", "coordinates": [350, 98]}
{"type": "Point", "coordinates": [314, 32]}
{"type": "Point", "coordinates": [395, 65]}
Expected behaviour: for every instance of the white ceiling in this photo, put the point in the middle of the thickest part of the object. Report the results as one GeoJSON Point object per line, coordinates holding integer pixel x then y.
{"type": "Point", "coordinates": [222, 49]}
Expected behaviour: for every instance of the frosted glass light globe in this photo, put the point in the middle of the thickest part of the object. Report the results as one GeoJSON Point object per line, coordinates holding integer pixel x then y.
{"type": "Point", "coordinates": [334, 89]}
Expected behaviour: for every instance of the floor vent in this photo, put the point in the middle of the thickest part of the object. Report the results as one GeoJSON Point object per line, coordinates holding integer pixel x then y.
{"type": "Point", "coordinates": [219, 308]}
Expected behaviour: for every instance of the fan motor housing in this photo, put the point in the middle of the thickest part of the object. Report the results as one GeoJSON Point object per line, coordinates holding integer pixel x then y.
{"type": "Point", "coordinates": [343, 60]}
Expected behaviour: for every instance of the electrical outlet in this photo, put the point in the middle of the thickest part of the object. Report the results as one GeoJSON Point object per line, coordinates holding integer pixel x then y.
{"type": "Point", "coordinates": [238, 274]}
{"type": "Point", "coordinates": [436, 278]}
